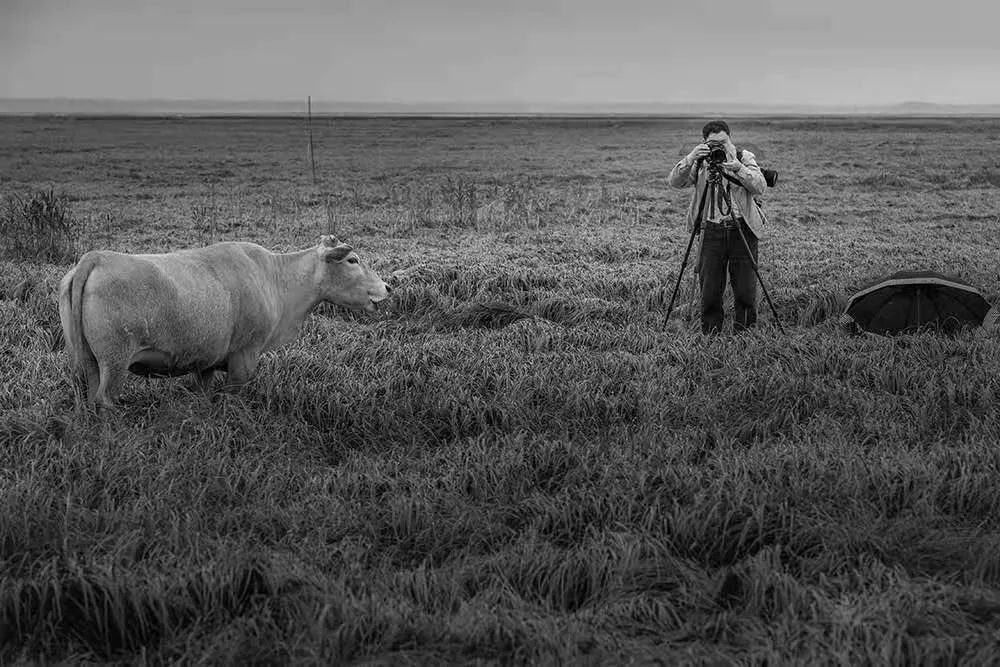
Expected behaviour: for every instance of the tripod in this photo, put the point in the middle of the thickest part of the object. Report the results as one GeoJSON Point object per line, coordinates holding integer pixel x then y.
{"type": "Point", "coordinates": [713, 190]}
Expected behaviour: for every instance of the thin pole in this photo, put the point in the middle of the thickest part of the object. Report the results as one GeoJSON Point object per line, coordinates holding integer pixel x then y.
{"type": "Point", "coordinates": [309, 124]}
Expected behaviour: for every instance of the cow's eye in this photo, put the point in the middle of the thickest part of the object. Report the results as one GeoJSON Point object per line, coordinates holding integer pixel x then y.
{"type": "Point", "coordinates": [352, 260]}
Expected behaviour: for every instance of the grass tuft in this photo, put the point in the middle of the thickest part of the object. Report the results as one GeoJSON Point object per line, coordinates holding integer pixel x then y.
{"type": "Point", "coordinates": [39, 227]}
{"type": "Point", "coordinates": [821, 306]}
{"type": "Point", "coordinates": [490, 315]}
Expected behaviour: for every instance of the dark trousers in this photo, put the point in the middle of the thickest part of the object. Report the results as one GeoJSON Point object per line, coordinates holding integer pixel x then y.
{"type": "Point", "coordinates": [722, 249]}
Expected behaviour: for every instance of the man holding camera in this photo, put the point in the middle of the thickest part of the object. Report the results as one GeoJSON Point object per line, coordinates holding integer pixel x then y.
{"type": "Point", "coordinates": [722, 248]}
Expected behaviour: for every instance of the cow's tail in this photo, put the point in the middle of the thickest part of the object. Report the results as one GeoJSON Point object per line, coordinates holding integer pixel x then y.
{"type": "Point", "coordinates": [71, 313]}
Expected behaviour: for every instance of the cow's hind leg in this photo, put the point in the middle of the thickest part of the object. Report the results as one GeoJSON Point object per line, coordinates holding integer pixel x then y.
{"type": "Point", "coordinates": [88, 372]}
{"type": "Point", "coordinates": [112, 373]}
{"type": "Point", "coordinates": [113, 349]}
{"type": "Point", "coordinates": [85, 374]}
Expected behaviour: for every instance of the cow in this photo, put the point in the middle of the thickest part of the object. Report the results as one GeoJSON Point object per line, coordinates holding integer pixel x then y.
{"type": "Point", "coordinates": [201, 310]}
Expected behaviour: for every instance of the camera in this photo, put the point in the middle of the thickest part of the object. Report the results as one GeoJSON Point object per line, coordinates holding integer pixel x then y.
{"type": "Point", "coordinates": [716, 152]}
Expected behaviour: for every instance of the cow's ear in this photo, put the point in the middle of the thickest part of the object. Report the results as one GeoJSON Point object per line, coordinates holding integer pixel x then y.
{"type": "Point", "coordinates": [329, 241]}
{"type": "Point", "coordinates": [336, 254]}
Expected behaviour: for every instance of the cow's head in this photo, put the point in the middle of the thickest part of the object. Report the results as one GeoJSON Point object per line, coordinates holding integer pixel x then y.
{"type": "Point", "coordinates": [346, 280]}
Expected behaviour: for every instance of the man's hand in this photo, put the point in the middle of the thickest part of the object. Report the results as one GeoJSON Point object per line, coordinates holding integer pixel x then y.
{"type": "Point", "coordinates": [731, 163]}
{"type": "Point", "coordinates": [698, 152]}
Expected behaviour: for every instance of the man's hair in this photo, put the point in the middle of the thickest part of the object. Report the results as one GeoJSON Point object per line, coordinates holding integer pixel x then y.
{"type": "Point", "coordinates": [715, 126]}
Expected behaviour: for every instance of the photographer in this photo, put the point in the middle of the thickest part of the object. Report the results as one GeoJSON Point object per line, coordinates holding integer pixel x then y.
{"type": "Point", "coordinates": [721, 245]}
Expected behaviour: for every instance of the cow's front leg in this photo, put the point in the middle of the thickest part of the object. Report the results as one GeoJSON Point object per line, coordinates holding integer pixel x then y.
{"type": "Point", "coordinates": [240, 368]}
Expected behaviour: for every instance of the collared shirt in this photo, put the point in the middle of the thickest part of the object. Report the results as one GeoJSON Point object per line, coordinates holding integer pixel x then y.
{"type": "Point", "coordinates": [748, 174]}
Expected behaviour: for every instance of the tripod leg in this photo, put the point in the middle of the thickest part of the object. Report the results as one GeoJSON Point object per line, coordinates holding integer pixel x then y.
{"type": "Point", "coordinates": [694, 232]}
{"type": "Point", "coordinates": [680, 275]}
{"type": "Point", "coordinates": [753, 262]}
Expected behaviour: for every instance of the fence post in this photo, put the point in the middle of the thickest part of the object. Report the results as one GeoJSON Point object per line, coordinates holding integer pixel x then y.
{"type": "Point", "coordinates": [309, 126]}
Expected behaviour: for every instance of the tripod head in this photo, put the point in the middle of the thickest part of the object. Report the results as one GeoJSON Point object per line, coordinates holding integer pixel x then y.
{"type": "Point", "coordinates": [714, 175]}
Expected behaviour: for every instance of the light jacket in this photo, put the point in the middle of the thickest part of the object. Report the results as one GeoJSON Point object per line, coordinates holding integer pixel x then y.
{"type": "Point", "coordinates": [749, 175]}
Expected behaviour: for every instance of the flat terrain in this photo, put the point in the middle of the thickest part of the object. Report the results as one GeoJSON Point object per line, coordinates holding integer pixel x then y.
{"type": "Point", "coordinates": [515, 461]}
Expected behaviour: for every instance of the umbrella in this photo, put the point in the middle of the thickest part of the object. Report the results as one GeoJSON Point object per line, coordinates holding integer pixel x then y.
{"type": "Point", "coordinates": [910, 300]}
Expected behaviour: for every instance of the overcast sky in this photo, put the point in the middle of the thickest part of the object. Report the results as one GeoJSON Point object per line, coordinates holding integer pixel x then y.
{"type": "Point", "coordinates": [562, 51]}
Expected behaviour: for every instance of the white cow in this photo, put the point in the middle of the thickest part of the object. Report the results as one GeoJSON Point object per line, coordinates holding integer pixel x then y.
{"type": "Point", "coordinates": [201, 310]}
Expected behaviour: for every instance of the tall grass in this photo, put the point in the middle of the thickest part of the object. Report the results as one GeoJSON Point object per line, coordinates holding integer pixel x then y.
{"type": "Point", "coordinates": [38, 227]}
{"type": "Point", "coordinates": [516, 461]}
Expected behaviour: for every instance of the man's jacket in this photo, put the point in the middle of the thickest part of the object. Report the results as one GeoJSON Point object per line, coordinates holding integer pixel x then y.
{"type": "Point", "coordinates": [749, 175]}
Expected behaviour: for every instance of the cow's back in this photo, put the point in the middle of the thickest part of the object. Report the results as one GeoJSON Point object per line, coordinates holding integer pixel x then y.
{"type": "Point", "coordinates": [194, 304]}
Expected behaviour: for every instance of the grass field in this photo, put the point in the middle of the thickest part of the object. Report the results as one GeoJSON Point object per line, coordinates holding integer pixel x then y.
{"type": "Point", "coordinates": [515, 461]}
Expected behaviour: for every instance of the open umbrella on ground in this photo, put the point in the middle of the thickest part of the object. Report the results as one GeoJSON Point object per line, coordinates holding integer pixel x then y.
{"type": "Point", "coordinates": [908, 301]}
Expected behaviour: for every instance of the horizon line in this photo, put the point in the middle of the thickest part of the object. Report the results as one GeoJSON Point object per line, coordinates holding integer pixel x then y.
{"type": "Point", "coordinates": [486, 103]}
{"type": "Point", "coordinates": [232, 108]}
